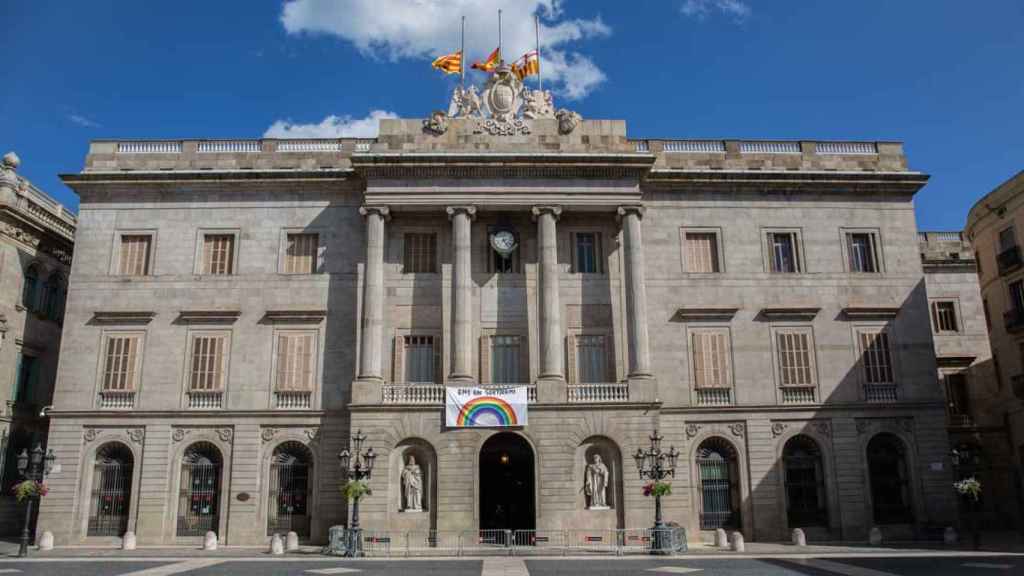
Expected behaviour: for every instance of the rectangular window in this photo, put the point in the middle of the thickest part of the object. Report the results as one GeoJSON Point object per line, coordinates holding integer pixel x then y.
{"type": "Point", "coordinates": [957, 400]}
{"type": "Point", "coordinates": [28, 372]}
{"type": "Point", "coordinates": [877, 357]}
{"type": "Point", "coordinates": [588, 253]}
{"type": "Point", "coordinates": [944, 316]}
{"type": "Point", "coordinates": [505, 360]}
{"type": "Point", "coordinates": [419, 359]}
{"type": "Point", "coordinates": [795, 351]}
{"type": "Point", "coordinates": [591, 362]}
{"type": "Point", "coordinates": [783, 252]}
{"type": "Point", "coordinates": [1007, 239]}
{"type": "Point", "coordinates": [710, 359]}
{"type": "Point", "coordinates": [1017, 296]}
{"type": "Point", "coordinates": [701, 252]}
{"type": "Point", "coordinates": [420, 253]}
{"type": "Point", "coordinates": [300, 255]}
{"type": "Point", "coordinates": [208, 362]}
{"type": "Point", "coordinates": [218, 254]}
{"type": "Point", "coordinates": [295, 361]}
{"type": "Point", "coordinates": [862, 251]}
{"type": "Point", "coordinates": [121, 361]}
{"type": "Point", "coordinates": [988, 318]}
{"type": "Point", "coordinates": [134, 255]}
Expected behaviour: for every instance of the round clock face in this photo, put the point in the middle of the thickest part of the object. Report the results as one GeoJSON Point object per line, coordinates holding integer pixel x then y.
{"type": "Point", "coordinates": [503, 241]}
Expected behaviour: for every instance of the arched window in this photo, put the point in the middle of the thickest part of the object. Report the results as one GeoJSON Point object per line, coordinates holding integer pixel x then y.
{"type": "Point", "coordinates": [805, 483]}
{"type": "Point", "coordinates": [111, 495]}
{"type": "Point", "coordinates": [29, 298]}
{"type": "Point", "coordinates": [890, 480]}
{"type": "Point", "coordinates": [54, 297]}
{"type": "Point", "coordinates": [719, 484]}
{"type": "Point", "coordinates": [199, 490]}
{"type": "Point", "coordinates": [290, 481]}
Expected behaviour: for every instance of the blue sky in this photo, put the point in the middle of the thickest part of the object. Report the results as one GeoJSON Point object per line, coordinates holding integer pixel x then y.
{"type": "Point", "coordinates": [945, 77]}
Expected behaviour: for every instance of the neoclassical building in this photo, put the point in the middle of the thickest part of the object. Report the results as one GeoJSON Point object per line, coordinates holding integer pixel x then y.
{"type": "Point", "coordinates": [239, 308]}
{"type": "Point", "coordinates": [36, 240]}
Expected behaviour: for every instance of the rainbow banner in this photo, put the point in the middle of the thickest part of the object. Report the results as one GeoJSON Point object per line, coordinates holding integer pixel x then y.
{"type": "Point", "coordinates": [491, 407]}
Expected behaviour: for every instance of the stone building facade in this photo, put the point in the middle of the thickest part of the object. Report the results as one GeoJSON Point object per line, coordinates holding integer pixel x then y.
{"type": "Point", "coordinates": [761, 304]}
{"type": "Point", "coordinates": [978, 434]}
{"type": "Point", "coordinates": [994, 227]}
{"type": "Point", "coordinates": [36, 239]}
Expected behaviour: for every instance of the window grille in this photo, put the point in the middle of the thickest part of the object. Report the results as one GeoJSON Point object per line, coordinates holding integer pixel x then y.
{"type": "Point", "coordinates": [218, 254]}
{"type": "Point", "coordinates": [420, 254]}
{"type": "Point", "coordinates": [290, 490]}
{"type": "Point", "coordinates": [944, 316]}
{"type": "Point", "coordinates": [135, 255]}
{"type": "Point", "coordinates": [111, 491]}
{"type": "Point", "coordinates": [716, 468]}
{"type": "Point", "coordinates": [805, 483]}
{"type": "Point", "coordinates": [890, 482]}
{"type": "Point", "coordinates": [295, 361]}
{"type": "Point", "coordinates": [120, 369]}
{"type": "Point", "coordinates": [702, 252]}
{"type": "Point", "coordinates": [301, 253]}
{"type": "Point", "coordinates": [199, 490]}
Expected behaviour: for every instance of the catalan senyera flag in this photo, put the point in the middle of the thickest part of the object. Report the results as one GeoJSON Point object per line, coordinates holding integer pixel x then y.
{"type": "Point", "coordinates": [491, 63]}
{"type": "Point", "coordinates": [527, 65]}
{"type": "Point", "coordinates": [449, 63]}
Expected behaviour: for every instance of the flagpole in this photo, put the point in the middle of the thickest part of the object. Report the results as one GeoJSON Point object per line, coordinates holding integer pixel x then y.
{"type": "Point", "coordinates": [536, 29]}
{"type": "Point", "coordinates": [462, 56]}
{"type": "Point", "coordinates": [501, 57]}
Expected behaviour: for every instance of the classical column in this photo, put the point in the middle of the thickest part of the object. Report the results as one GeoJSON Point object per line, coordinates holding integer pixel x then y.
{"type": "Point", "coordinates": [636, 292]}
{"type": "Point", "coordinates": [462, 293]}
{"type": "Point", "coordinates": [550, 310]}
{"type": "Point", "coordinates": [373, 294]}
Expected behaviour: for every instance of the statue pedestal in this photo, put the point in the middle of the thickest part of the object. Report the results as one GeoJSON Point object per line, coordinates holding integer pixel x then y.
{"type": "Point", "coordinates": [598, 508]}
{"type": "Point", "coordinates": [412, 511]}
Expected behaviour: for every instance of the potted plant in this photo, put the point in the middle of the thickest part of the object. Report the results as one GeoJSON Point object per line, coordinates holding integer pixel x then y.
{"type": "Point", "coordinates": [970, 490]}
{"type": "Point", "coordinates": [29, 489]}
{"type": "Point", "coordinates": [657, 489]}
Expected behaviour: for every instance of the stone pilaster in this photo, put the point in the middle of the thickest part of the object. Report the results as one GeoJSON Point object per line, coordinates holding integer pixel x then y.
{"type": "Point", "coordinates": [371, 376]}
{"type": "Point", "coordinates": [462, 294]}
{"type": "Point", "coordinates": [636, 302]}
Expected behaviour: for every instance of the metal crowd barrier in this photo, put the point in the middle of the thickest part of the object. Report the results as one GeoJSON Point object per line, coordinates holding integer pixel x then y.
{"type": "Point", "coordinates": [381, 543]}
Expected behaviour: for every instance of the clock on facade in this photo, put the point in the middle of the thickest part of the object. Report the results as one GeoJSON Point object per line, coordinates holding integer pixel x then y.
{"type": "Point", "coordinates": [503, 242]}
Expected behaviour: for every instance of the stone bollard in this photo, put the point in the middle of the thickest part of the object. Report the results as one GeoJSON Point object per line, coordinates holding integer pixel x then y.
{"type": "Point", "coordinates": [210, 541]}
{"type": "Point", "coordinates": [46, 541]}
{"type": "Point", "coordinates": [721, 538]}
{"type": "Point", "coordinates": [128, 542]}
{"type": "Point", "coordinates": [949, 536]}
{"type": "Point", "coordinates": [291, 541]}
{"type": "Point", "coordinates": [276, 545]}
{"type": "Point", "coordinates": [738, 545]}
{"type": "Point", "coordinates": [799, 539]}
{"type": "Point", "coordinates": [875, 536]}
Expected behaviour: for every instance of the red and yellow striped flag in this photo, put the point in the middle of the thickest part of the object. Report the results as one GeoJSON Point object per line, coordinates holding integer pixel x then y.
{"type": "Point", "coordinates": [491, 63]}
{"type": "Point", "coordinates": [527, 65]}
{"type": "Point", "coordinates": [449, 63]}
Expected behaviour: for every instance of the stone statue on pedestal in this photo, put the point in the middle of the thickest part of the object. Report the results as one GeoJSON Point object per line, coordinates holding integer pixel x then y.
{"type": "Point", "coordinates": [412, 486]}
{"type": "Point", "coordinates": [595, 484]}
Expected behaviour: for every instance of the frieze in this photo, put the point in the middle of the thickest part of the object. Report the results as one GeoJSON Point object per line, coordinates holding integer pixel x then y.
{"type": "Point", "coordinates": [819, 427]}
{"type": "Point", "coordinates": [135, 435]}
{"type": "Point", "coordinates": [867, 425]}
{"type": "Point", "coordinates": [268, 434]}
{"type": "Point", "coordinates": [225, 434]}
{"type": "Point", "coordinates": [496, 128]}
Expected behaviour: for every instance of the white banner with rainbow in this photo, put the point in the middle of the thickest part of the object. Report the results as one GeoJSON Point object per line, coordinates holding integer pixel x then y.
{"type": "Point", "coordinates": [490, 407]}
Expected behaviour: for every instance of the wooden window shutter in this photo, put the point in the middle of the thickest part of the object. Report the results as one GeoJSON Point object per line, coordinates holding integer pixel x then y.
{"type": "Point", "coordinates": [570, 358]}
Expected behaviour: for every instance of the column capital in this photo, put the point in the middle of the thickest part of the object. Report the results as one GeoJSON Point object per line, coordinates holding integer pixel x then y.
{"type": "Point", "coordinates": [556, 211]}
{"type": "Point", "coordinates": [623, 211]}
{"type": "Point", "coordinates": [384, 211]}
{"type": "Point", "coordinates": [453, 210]}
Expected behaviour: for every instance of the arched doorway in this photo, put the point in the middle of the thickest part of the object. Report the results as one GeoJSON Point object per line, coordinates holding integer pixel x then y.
{"type": "Point", "coordinates": [890, 480]}
{"type": "Point", "coordinates": [719, 484]}
{"type": "Point", "coordinates": [111, 494]}
{"type": "Point", "coordinates": [290, 472]}
{"type": "Point", "coordinates": [805, 483]}
{"type": "Point", "coordinates": [507, 484]}
{"type": "Point", "coordinates": [199, 490]}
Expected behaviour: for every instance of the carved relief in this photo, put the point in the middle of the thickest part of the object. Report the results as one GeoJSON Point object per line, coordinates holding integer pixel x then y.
{"type": "Point", "coordinates": [738, 429]}
{"type": "Point", "coordinates": [823, 428]}
{"type": "Point", "coordinates": [692, 430]}
{"type": "Point", "coordinates": [226, 435]}
{"type": "Point", "coordinates": [91, 434]}
{"type": "Point", "coordinates": [437, 123]}
{"type": "Point", "coordinates": [137, 435]}
{"type": "Point", "coordinates": [778, 428]}
{"type": "Point", "coordinates": [313, 434]}
{"type": "Point", "coordinates": [267, 434]}
{"type": "Point", "coordinates": [179, 434]}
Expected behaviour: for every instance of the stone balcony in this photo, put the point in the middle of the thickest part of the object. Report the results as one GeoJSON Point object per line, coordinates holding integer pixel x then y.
{"type": "Point", "coordinates": [434, 394]}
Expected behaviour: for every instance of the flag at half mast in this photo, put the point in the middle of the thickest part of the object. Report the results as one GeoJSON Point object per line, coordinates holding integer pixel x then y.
{"type": "Point", "coordinates": [527, 65]}
{"type": "Point", "coordinates": [491, 63]}
{"type": "Point", "coordinates": [449, 63]}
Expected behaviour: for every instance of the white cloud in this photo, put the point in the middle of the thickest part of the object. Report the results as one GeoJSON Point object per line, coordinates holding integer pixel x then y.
{"type": "Point", "coordinates": [701, 9]}
{"type": "Point", "coordinates": [83, 121]}
{"type": "Point", "coordinates": [424, 29]}
{"type": "Point", "coordinates": [330, 127]}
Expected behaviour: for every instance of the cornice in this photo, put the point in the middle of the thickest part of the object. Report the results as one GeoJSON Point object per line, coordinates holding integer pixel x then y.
{"type": "Point", "coordinates": [794, 180]}
{"type": "Point", "coordinates": [488, 165]}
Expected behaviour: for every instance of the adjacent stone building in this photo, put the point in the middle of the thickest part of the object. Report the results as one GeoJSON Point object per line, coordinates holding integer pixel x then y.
{"type": "Point", "coordinates": [978, 434]}
{"type": "Point", "coordinates": [36, 239]}
{"type": "Point", "coordinates": [993, 228]}
{"type": "Point", "coordinates": [239, 308]}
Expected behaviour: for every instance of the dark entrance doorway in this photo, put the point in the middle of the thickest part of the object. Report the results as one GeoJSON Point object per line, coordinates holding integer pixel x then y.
{"type": "Point", "coordinates": [507, 484]}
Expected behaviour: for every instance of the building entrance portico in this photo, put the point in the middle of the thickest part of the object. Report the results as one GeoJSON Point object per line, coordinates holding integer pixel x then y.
{"type": "Point", "coordinates": [507, 486]}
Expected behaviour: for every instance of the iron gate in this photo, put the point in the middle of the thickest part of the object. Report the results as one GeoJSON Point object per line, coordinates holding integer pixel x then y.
{"type": "Point", "coordinates": [717, 506]}
{"type": "Point", "coordinates": [199, 495]}
{"type": "Point", "coordinates": [111, 492]}
{"type": "Point", "coordinates": [289, 491]}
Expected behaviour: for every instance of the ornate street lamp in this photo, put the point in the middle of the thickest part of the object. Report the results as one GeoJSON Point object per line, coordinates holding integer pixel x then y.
{"type": "Point", "coordinates": [655, 465]}
{"type": "Point", "coordinates": [356, 466]}
{"type": "Point", "coordinates": [35, 467]}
